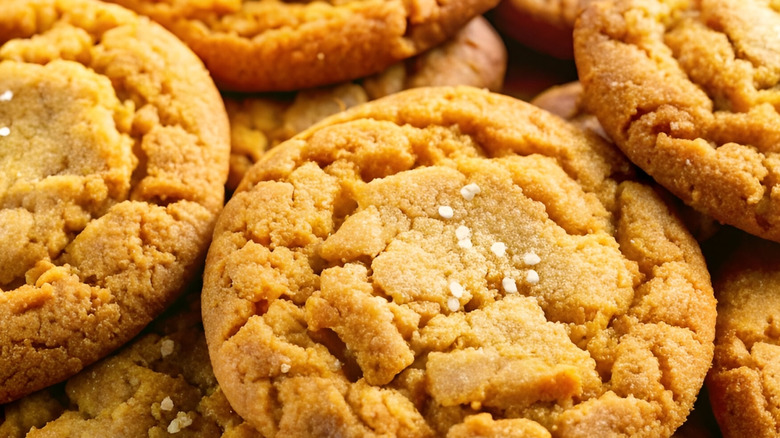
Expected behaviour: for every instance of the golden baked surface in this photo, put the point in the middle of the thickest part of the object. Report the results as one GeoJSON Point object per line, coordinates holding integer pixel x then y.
{"type": "Point", "coordinates": [271, 45]}
{"type": "Point", "coordinates": [688, 90]}
{"type": "Point", "coordinates": [744, 382]}
{"type": "Point", "coordinates": [447, 260]}
{"type": "Point", "coordinates": [109, 182]}
{"type": "Point", "coordinates": [475, 56]}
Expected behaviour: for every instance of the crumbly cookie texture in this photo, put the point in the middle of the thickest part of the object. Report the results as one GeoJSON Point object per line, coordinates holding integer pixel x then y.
{"type": "Point", "coordinates": [475, 56]}
{"type": "Point", "coordinates": [687, 89]}
{"type": "Point", "coordinates": [159, 384]}
{"type": "Point", "coordinates": [744, 381]}
{"type": "Point", "coordinates": [110, 182]}
{"type": "Point", "coordinates": [411, 265]}
{"type": "Point", "coordinates": [270, 45]}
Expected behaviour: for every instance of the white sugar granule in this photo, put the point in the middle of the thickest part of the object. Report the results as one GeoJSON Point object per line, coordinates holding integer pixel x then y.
{"type": "Point", "coordinates": [462, 232]}
{"type": "Point", "coordinates": [180, 422]}
{"type": "Point", "coordinates": [5, 131]}
{"type": "Point", "coordinates": [499, 249]}
{"type": "Point", "coordinates": [509, 285]}
{"type": "Point", "coordinates": [531, 259]}
{"type": "Point", "coordinates": [469, 191]}
{"type": "Point", "coordinates": [166, 349]}
{"type": "Point", "coordinates": [465, 243]}
{"type": "Point", "coordinates": [6, 96]}
{"type": "Point", "coordinates": [453, 304]}
{"type": "Point", "coordinates": [446, 212]}
{"type": "Point", "coordinates": [285, 367]}
{"type": "Point", "coordinates": [532, 276]}
{"type": "Point", "coordinates": [456, 289]}
{"type": "Point", "coordinates": [166, 404]}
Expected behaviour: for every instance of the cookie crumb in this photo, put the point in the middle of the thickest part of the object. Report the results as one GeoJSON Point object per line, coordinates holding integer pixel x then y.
{"type": "Point", "coordinates": [499, 249]}
{"type": "Point", "coordinates": [180, 422]}
{"type": "Point", "coordinates": [532, 276]}
{"type": "Point", "coordinates": [5, 131]}
{"type": "Point", "coordinates": [509, 284]}
{"type": "Point", "coordinates": [453, 304]}
{"type": "Point", "coordinates": [462, 232]}
{"type": "Point", "coordinates": [285, 367]}
{"type": "Point", "coordinates": [166, 349]}
{"type": "Point", "coordinates": [465, 243]}
{"type": "Point", "coordinates": [531, 259]}
{"type": "Point", "coordinates": [166, 404]}
{"type": "Point", "coordinates": [469, 191]}
{"type": "Point", "coordinates": [446, 212]}
{"type": "Point", "coordinates": [6, 96]}
{"type": "Point", "coordinates": [456, 289]}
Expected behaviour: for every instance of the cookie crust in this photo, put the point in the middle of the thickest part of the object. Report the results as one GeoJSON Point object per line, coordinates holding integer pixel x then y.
{"type": "Point", "coordinates": [110, 182]}
{"type": "Point", "coordinates": [687, 90]}
{"type": "Point", "coordinates": [359, 284]}
{"type": "Point", "coordinates": [264, 45]}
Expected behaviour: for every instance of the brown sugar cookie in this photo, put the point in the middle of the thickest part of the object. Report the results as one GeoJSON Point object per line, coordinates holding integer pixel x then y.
{"type": "Point", "coordinates": [688, 91]}
{"type": "Point", "coordinates": [475, 56]}
{"type": "Point", "coordinates": [417, 263]}
{"type": "Point", "coordinates": [544, 25]}
{"type": "Point", "coordinates": [110, 181]}
{"type": "Point", "coordinates": [271, 45]}
{"type": "Point", "coordinates": [744, 383]}
{"type": "Point", "coordinates": [159, 384]}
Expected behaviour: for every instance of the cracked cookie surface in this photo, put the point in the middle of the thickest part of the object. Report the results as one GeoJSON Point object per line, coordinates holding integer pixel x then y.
{"type": "Point", "coordinates": [110, 184]}
{"type": "Point", "coordinates": [269, 45]}
{"type": "Point", "coordinates": [688, 90]}
{"type": "Point", "coordinates": [446, 261]}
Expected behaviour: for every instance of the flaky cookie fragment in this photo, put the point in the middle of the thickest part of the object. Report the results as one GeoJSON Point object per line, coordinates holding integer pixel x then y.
{"type": "Point", "coordinates": [407, 266]}
{"type": "Point", "coordinates": [475, 56]}
{"type": "Point", "coordinates": [110, 182]}
{"type": "Point", "coordinates": [271, 45]}
{"type": "Point", "coordinates": [688, 90]}
{"type": "Point", "coordinates": [744, 382]}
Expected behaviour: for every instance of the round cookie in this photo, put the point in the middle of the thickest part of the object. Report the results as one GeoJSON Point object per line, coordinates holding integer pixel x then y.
{"type": "Point", "coordinates": [687, 90]}
{"type": "Point", "coordinates": [271, 45]}
{"type": "Point", "coordinates": [475, 56]}
{"type": "Point", "coordinates": [161, 383]}
{"type": "Point", "coordinates": [744, 382]}
{"type": "Point", "coordinates": [110, 182]}
{"type": "Point", "coordinates": [417, 264]}
{"type": "Point", "coordinates": [544, 25]}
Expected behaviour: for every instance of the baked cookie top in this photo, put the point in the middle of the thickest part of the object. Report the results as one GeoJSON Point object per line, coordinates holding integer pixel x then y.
{"type": "Point", "coordinates": [687, 89]}
{"type": "Point", "coordinates": [744, 382]}
{"type": "Point", "coordinates": [416, 264]}
{"type": "Point", "coordinates": [475, 56]}
{"type": "Point", "coordinates": [271, 45]}
{"type": "Point", "coordinates": [545, 25]}
{"type": "Point", "coordinates": [110, 182]}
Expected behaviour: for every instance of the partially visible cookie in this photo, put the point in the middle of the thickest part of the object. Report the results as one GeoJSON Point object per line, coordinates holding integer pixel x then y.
{"type": "Point", "coordinates": [270, 45]}
{"type": "Point", "coordinates": [159, 384]}
{"type": "Point", "coordinates": [110, 182]}
{"type": "Point", "coordinates": [476, 56]}
{"type": "Point", "coordinates": [688, 90]}
{"type": "Point", "coordinates": [744, 383]}
{"type": "Point", "coordinates": [448, 260]}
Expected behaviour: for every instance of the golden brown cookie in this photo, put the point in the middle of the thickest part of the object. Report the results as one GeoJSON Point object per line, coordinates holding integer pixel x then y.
{"type": "Point", "coordinates": [271, 45]}
{"type": "Point", "coordinates": [744, 383]}
{"type": "Point", "coordinates": [687, 89]}
{"type": "Point", "coordinates": [544, 25]}
{"type": "Point", "coordinates": [407, 266]}
{"type": "Point", "coordinates": [476, 56]}
{"type": "Point", "coordinates": [159, 384]}
{"type": "Point", "coordinates": [110, 182]}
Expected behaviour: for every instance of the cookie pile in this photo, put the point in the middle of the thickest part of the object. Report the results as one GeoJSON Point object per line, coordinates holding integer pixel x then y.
{"type": "Point", "coordinates": [312, 219]}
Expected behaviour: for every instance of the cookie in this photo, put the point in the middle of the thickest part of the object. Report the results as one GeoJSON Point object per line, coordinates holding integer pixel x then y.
{"type": "Point", "coordinates": [159, 384]}
{"type": "Point", "coordinates": [744, 383]}
{"type": "Point", "coordinates": [419, 263]}
{"type": "Point", "coordinates": [110, 182]}
{"type": "Point", "coordinates": [544, 25]}
{"type": "Point", "coordinates": [476, 56]}
{"type": "Point", "coordinates": [270, 45]}
{"type": "Point", "coordinates": [687, 90]}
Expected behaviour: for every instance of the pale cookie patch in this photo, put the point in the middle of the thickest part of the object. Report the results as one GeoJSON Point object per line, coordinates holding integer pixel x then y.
{"type": "Point", "coordinates": [336, 262]}
{"type": "Point", "coordinates": [109, 183]}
